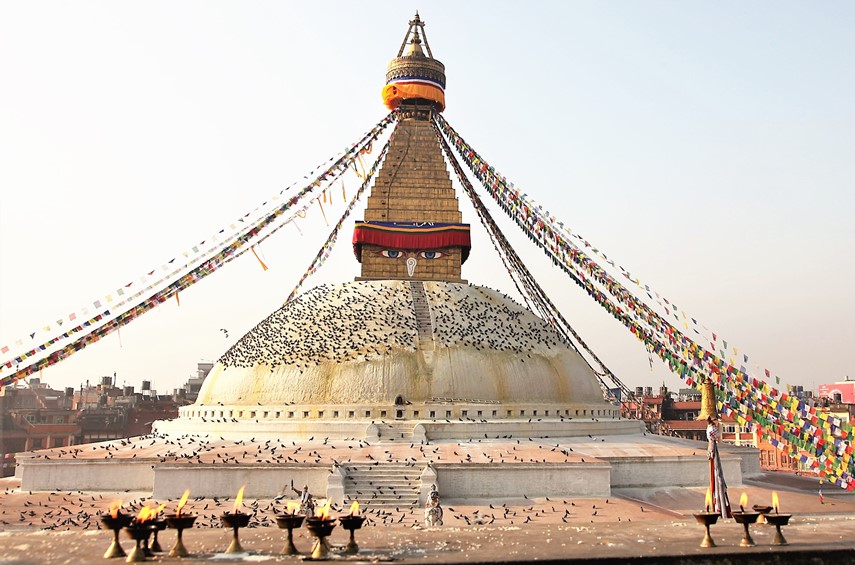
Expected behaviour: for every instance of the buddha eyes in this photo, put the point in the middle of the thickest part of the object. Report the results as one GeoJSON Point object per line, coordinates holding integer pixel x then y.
{"type": "Point", "coordinates": [396, 253]}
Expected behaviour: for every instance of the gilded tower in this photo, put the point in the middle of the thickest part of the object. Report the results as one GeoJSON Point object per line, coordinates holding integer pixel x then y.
{"type": "Point", "coordinates": [412, 227]}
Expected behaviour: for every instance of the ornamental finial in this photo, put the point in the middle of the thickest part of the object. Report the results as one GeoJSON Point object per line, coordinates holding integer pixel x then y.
{"type": "Point", "coordinates": [413, 75]}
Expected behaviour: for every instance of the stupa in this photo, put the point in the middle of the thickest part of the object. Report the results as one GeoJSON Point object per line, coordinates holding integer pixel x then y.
{"type": "Point", "coordinates": [408, 347]}
{"type": "Point", "coordinates": [405, 377]}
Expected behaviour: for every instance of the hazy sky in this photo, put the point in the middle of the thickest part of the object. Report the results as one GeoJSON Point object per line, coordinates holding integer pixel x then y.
{"type": "Point", "coordinates": [706, 147]}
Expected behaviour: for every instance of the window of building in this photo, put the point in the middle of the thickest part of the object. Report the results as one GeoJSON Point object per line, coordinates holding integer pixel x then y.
{"type": "Point", "coordinates": [448, 413]}
{"type": "Point", "coordinates": [335, 414]}
{"type": "Point", "coordinates": [306, 414]}
{"type": "Point", "coordinates": [465, 413]}
{"type": "Point", "coordinates": [320, 413]}
{"type": "Point", "coordinates": [290, 414]}
{"type": "Point", "coordinates": [415, 413]}
{"type": "Point", "coordinates": [433, 414]}
{"type": "Point", "coordinates": [382, 413]}
{"type": "Point", "coordinates": [351, 414]}
{"type": "Point", "coordinates": [479, 413]}
{"type": "Point", "coordinates": [368, 413]}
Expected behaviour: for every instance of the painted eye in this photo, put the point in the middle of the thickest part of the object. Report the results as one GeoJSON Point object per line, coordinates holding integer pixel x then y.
{"type": "Point", "coordinates": [431, 254]}
{"type": "Point", "coordinates": [391, 253]}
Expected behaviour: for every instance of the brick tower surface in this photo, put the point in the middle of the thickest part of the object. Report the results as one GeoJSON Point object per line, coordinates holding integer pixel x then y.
{"type": "Point", "coordinates": [412, 227]}
{"type": "Point", "coordinates": [413, 186]}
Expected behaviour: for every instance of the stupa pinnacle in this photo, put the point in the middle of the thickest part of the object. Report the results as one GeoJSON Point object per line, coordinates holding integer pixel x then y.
{"type": "Point", "coordinates": [413, 77]}
{"type": "Point", "coordinates": [412, 228]}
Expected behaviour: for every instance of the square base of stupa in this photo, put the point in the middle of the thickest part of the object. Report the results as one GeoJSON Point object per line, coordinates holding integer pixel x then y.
{"type": "Point", "coordinates": [525, 461]}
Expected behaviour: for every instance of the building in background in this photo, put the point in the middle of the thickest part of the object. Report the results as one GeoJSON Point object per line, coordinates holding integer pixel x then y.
{"type": "Point", "coordinates": [673, 414]}
{"type": "Point", "coordinates": [35, 416]}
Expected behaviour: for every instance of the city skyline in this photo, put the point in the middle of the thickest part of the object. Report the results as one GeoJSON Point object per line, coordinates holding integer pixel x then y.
{"type": "Point", "coordinates": [707, 149]}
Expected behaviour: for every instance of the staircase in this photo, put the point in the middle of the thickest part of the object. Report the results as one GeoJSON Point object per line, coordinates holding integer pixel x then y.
{"type": "Point", "coordinates": [379, 484]}
{"type": "Point", "coordinates": [421, 309]}
{"type": "Point", "coordinates": [401, 432]}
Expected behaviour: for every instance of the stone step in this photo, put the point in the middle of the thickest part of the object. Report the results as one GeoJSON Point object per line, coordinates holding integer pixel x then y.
{"type": "Point", "coordinates": [367, 493]}
{"type": "Point", "coordinates": [402, 478]}
{"type": "Point", "coordinates": [379, 470]}
{"type": "Point", "coordinates": [387, 504]}
{"type": "Point", "coordinates": [386, 485]}
{"type": "Point", "coordinates": [355, 494]}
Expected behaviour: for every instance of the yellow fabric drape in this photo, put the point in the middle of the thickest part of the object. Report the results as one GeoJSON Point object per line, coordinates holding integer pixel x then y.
{"type": "Point", "coordinates": [394, 93]}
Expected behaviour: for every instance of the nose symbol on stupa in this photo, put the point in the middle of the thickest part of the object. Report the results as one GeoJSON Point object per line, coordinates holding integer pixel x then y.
{"type": "Point", "coordinates": [411, 266]}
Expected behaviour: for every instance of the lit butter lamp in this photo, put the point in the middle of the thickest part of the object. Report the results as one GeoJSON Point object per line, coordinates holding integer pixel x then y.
{"type": "Point", "coordinates": [707, 518]}
{"type": "Point", "coordinates": [321, 526]}
{"type": "Point", "coordinates": [235, 520]}
{"type": "Point", "coordinates": [351, 523]}
{"type": "Point", "coordinates": [180, 522]}
{"type": "Point", "coordinates": [289, 521]}
{"type": "Point", "coordinates": [114, 521]}
{"type": "Point", "coordinates": [778, 520]}
{"type": "Point", "coordinates": [140, 530]}
{"type": "Point", "coordinates": [157, 526]}
{"type": "Point", "coordinates": [745, 518]}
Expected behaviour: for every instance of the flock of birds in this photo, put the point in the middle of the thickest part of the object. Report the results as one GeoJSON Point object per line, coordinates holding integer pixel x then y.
{"type": "Point", "coordinates": [78, 510]}
{"type": "Point", "coordinates": [71, 510]}
{"type": "Point", "coordinates": [485, 319]}
{"type": "Point", "coordinates": [370, 319]}
{"type": "Point", "coordinates": [199, 450]}
{"type": "Point", "coordinates": [331, 323]}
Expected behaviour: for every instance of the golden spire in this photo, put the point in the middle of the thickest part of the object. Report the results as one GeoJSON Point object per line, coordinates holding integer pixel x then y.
{"type": "Point", "coordinates": [415, 77]}
{"type": "Point", "coordinates": [708, 408]}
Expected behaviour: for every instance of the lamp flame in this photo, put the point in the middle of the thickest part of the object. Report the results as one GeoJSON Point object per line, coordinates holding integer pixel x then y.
{"type": "Point", "coordinates": [145, 514]}
{"type": "Point", "coordinates": [293, 507]}
{"type": "Point", "coordinates": [157, 511]}
{"type": "Point", "coordinates": [324, 511]}
{"type": "Point", "coordinates": [183, 501]}
{"type": "Point", "coordinates": [354, 508]}
{"type": "Point", "coordinates": [775, 501]}
{"type": "Point", "coordinates": [743, 501]}
{"type": "Point", "coordinates": [115, 506]}
{"type": "Point", "coordinates": [239, 499]}
{"type": "Point", "coordinates": [708, 502]}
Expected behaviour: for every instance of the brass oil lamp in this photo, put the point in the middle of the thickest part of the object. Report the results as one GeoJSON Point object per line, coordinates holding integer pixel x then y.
{"type": "Point", "coordinates": [778, 520]}
{"type": "Point", "coordinates": [290, 521]}
{"type": "Point", "coordinates": [115, 521]}
{"type": "Point", "coordinates": [140, 530]}
{"type": "Point", "coordinates": [235, 520]}
{"type": "Point", "coordinates": [746, 519]}
{"type": "Point", "coordinates": [180, 522]}
{"type": "Point", "coordinates": [321, 526]}
{"type": "Point", "coordinates": [707, 518]}
{"type": "Point", "coordinates": [351, 523]}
